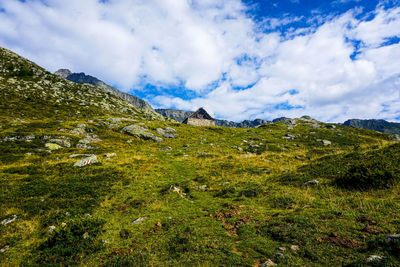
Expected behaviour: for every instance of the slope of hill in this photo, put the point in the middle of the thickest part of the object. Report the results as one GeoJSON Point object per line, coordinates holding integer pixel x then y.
{"type": "Point", "coordinates": [88, 179]}
{"type": "Point", "coordinates": [181, 115]}
{"type": "Point", "coordinates": [83, 78]}
{"type": "Point", "coordinates": [377, 125]}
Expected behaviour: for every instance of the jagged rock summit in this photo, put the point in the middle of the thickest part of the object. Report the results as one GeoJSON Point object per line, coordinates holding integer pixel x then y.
{"type": "Point", "coordinates": [83, 78]}
{"type": "Point", "coordinates": [63, 73]}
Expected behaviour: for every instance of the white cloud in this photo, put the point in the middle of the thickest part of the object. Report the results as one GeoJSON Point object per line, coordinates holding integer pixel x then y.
{"type": "Point", "coordinates": [213, 47]}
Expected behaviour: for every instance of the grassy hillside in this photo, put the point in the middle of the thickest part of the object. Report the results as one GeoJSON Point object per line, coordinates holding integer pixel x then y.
{"type": "Point", "coordinates": [211, 196]}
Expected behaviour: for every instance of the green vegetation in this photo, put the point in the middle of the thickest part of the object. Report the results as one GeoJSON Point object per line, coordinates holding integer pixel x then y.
{"type": "Point", "coordinates": [212, 196]}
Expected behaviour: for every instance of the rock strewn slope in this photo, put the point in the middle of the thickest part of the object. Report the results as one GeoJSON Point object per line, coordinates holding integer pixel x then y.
{"type": "Point", "coordinates": [83, 78]}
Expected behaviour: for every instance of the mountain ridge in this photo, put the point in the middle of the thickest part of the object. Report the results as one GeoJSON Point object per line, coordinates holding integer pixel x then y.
{"type": "Point", "coordinates": [376, 125]}
{"type": "Point", "coordinates": [83, 78]}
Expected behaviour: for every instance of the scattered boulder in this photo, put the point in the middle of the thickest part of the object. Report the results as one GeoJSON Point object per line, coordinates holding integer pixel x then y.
{"type": "Point", "coordinates": [110, 155]}
{"type": "Point", "coordinates": [52, 146]}
{"type": "Point", "coordinates": [79, 155]}
{"type": "Point", "coordinates": [280, 256]}
{"type": "Point", "coordinates": [165, 148]}
{"type": "Point", "coordinates": [79, 130]}
{"type": "Point", "coordinates": [86, 161]}
{"type": "Point", "coordinates": [312, 182]}
{"type": "Point", "coordinates": [268, 262]}
{"type": "Point", "coordinates": [61, 141]}
{"type": "Point", "coordinates": [140, 132]}
{"type": "Point", "coordinates": [325, 142]}
{"type": "Point", "coordinates": [52, 228]}
{"type": "Point", "coordinates": [167, 132]}
{"type": "Point", "coordinates": [90, 139]}
{"type": "Point", "coordinates": [394, 137]}
{"type": "Point", "coordinates": [294, 247]}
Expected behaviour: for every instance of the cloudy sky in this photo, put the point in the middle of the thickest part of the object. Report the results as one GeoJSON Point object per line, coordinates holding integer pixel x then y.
{"type": "Point", "coordinates": [240, 59]}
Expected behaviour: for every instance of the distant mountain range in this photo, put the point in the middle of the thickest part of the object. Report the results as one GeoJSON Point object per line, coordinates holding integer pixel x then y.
{"type": "Point", "coordinates": [377, 125]}
{"type": "Point", "coordinates": [83, 78]}
{"type": "Point", "coordinates": [181, 115]}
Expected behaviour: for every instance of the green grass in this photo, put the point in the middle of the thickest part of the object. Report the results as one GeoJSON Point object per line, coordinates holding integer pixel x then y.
{"type": "Point", "coordinates": [233, 207]}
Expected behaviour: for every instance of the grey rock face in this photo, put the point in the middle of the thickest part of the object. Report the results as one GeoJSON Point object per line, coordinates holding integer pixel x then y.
{"type": "Point", "coordinates": [86, 161]}
{"type": "Point", "coordinates": [83, 78]}
{"type": "Point", "coordinates": [140, 132]}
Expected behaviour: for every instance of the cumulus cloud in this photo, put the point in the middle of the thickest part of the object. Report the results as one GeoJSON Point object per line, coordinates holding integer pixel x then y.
{"type": "Point", "coordinates": [237, 67]}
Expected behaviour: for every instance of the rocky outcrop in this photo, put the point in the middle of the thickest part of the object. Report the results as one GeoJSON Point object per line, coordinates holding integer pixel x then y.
{"type": "Point", "coordinates": [377, 125]}
{"type": "Point", "coordinates": [83, 78]}
{"type": "Point", "coordinates": [141, 133]}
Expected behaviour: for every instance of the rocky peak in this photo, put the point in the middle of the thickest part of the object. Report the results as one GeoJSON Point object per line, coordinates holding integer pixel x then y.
{"type": "Point", "coordinates": [63, 73]}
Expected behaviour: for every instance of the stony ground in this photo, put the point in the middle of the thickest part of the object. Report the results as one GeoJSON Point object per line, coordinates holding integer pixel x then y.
{"type": "Point", "coordinates": [113, 185]}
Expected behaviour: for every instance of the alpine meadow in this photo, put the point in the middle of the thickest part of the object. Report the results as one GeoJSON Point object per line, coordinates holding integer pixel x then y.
{"type": "Point", "coordinates": [91, 175]}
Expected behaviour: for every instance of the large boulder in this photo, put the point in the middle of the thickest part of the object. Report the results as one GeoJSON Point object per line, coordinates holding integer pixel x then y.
{"type": "Point", "coordinates": [140, 132]}
{"type": "Point", "coordinates": [167, 132]}
{"type": "Point", "coordinates": [86, 161]}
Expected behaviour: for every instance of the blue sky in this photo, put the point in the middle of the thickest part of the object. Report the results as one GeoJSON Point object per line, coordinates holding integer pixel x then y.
{"type": "Point", "coordinates": [240, 59]}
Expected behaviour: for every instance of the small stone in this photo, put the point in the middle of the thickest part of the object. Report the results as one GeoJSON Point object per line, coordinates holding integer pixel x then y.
{"type": "Point", "coordinates": [326, 142]}
{"type": "Point", "coordinates": [4, 249]}
{"type": "Point", "coordinates": [391, 238]}
{"type": "Point", "coordinates": [10, 220]}
{"type": "Point", "coordinates": [52, 228]}
{"type": "Point", "coordinates": [201, 188]}
{"type": "Point", "coordinates": [110, 155]}
{"type": "Point", "coordinates": [268, 262]}
{"type": "Point", "coordinates": [52, 146]}
{"type": "Point", "coordinates": [282, 248]}
{"type": "Point", "coordinates": [139, 220]}
{"type": "Point", "coordinates": [373, 258]}
{"type": "Point", "coordinates": [165, 148]}
{"type": "Point", "coordinates": [312, 182]}
{"type": "Point", "coordinates": [294, 247]}
{"type": "Point", "coordinates": [85, 235]}
{"type": "Point", "coordinates": [279, 255]}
